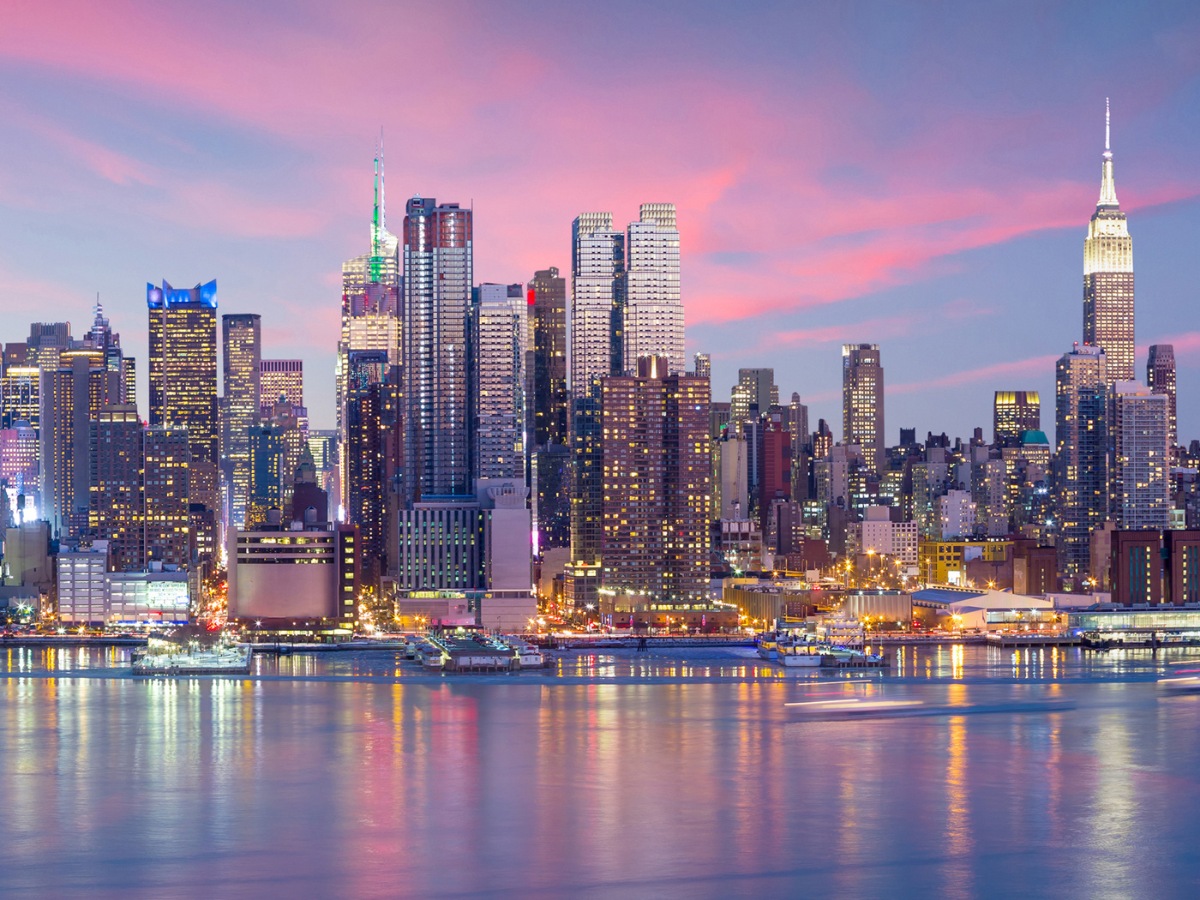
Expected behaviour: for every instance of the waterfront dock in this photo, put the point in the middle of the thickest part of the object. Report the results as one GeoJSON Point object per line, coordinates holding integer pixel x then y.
{"type": "Point", "coordinates": [1021, 639]}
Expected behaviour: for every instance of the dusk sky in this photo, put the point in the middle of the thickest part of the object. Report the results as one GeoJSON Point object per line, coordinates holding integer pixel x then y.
{"type": "Point", "coordinates": [916, 177]}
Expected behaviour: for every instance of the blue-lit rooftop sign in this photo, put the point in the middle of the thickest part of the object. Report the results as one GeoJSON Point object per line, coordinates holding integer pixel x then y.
{"type": "Point", "coordinates": [167, 296]}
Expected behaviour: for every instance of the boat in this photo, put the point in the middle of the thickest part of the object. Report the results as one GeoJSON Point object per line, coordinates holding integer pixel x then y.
{"type": "Point", "coordinates": [431, 656]}
{"type": "Point", "coordinates": [768, 645]}
{"type": "Point", "coordinates": [529, 656]}
{"type": "Point", "coordinates": [1180, 684]}
{"type": "Point", "coordinates": [166, 657]}
{"type": "Point", "coordinates": [842, 631]}
{"type": "Point", "coordinates": [856, 707]}
{"type": "Point", "coordinates": [793, 652]}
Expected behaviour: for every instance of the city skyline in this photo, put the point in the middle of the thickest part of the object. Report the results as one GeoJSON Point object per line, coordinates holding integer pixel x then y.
{"type": "Point", "coordinates": [936, 217]}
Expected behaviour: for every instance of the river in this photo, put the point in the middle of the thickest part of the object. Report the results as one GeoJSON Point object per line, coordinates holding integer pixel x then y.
{"type": "Point", "coordinates": [616, 774]}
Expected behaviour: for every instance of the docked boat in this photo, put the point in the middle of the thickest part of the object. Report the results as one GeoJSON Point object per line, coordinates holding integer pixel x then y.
{"type": "Point", "coordinates": [431, 656]}
{"type": "Point", "coordinates": [768, 645]}
{"type": "Point", "coordinates": [165, 657]}
{"type": "Point", "coordinates": [797, 653]}
{"type": "Point", "coordinates": [529, 656]}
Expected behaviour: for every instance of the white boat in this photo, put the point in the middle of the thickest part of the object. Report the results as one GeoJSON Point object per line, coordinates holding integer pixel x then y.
{"type": "Point", "coordinates": [842, 631]}
{"type": "Point", "coordinates": [529, 655]}
{"type": "Point", "coordinates": [799, 659]}
{"type": "Point", "coordinates": [768, 645]}
{"type": "Point", "coordinates": [794, 652]}
{"type": "Point", "coordinates": [431, 656]}
{"type": "Point", "coordinates": [163, 657]}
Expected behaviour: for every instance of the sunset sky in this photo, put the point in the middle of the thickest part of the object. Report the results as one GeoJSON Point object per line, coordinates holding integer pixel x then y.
{"type": "Point", "coordinates": [916, 177]}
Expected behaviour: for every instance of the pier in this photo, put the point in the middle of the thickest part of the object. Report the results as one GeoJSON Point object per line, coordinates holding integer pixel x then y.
{"type": "Point", "coordinates": [1019, 639]}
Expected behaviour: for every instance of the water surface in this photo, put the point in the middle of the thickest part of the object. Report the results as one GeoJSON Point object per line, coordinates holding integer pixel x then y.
{"type": "Point", "coordinates": [668, 774]}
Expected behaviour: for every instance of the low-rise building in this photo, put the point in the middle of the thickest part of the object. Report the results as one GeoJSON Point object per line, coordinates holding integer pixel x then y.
{"type": "Point", "coordinates": [299, 577]}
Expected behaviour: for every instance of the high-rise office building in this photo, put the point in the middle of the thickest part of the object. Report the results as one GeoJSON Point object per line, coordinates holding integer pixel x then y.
{"type": "Point", "coordinates": [370, 313]}
{"type": "Point", "coordinates": [597, 300]}
{"type": "Point", "coordinates": [166, 511]}
{"type": "Point", "coordinates": [702, 365]}
{"type": "Point", "coordinates": [1013, 414]}
{"type": "Point", "coordinates": [653, 319]}
{"type": "Point", "coordinates": [280, 378]}
{"type": "Point", "coordinates": [369, 399]}
{"type": "Point", "coordinates": [753, 395]}
{"type": "Point", "coordinates": [290, 422]}
{"type": "Point", "coordinates": [548, 304]}
{"type": "Point", "coordinates": [1141, 486]}
{"type": "Point", "coordinates": [101, 337]}
{"type": "Point", "coordinates": [802, 450]}
{"type": "Point", "coordinates": [597, 351]}
{"type": "Point", "coordinates": [19, 472]}
{"type": "Point", "coordinates": [1108, 307]}
{"type": "Point", "coordinates": [116, 500]}
{"type": "Point", "coordinates": [370, 295]}
{"type": "Point", "coordinates": [20, 396]}
{"type": "Point", "coordinates": [45, 342]}
{"type": "Point", "coordinates": [241, 343]}
{"type": "Point", "coordinates": [438, 272]}
{"type": "Point", "coordinates": [265, 467]}
{"type": "Point", "coordinates": [72, 396]}
{"type": "Point", "coordinates": [862, 401]}
{"type": "Point", "coordinates": [1081, 458]}
{"type": "Point", "coordinates": [183, 377]}
{"type": "Point", "coordinates": [1160, 378]}
{"type": "Point", "coordinates": [657, 481]}
{"type": "Point", "coordinates": [549, 408]}
{"type": "Point", "coordinates": [499, 333]}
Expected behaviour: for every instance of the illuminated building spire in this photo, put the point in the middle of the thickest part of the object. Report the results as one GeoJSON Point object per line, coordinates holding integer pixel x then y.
{"type": "Point", "coordinates": [378, 215]}
{"type": "Point", "coordinates": [1108, 188]}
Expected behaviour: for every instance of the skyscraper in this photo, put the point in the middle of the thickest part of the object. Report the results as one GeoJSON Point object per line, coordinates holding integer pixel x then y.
{"type": "Point", "coordinates": [1081, 458]}
{"type": "Point", "coordinates": [265, 466]}
{"type": "Point", "coordinates": [753, 395]}
{"type": "Point", "coordinates": [657, 481]}
{"type": "Point", "coordinates": [548, 304]}
{"type": "Point", "coordinates": [499, 331]}
{"type": "Point", "coordinates": [165, 452]}
{"type": "Point", "coordinates": [438, 273]}
{"type": "Point", "coordinates": [1140, 491]}
{"type": "Point", "coordinates": [597, 311]}
{"type": "Point", "coordinates": [116, 511]}
{"type": "Point", "coordinates": [862, 401]}
{"type": "Point", "coordinates": [241, 343]}
{"type": "Point", "coordinates": [73, 393]}
{"type": "Point", "coordinates": [368, 403]}
{"type": "Point", "coordinates": [183, 376]}
{"type": "Point", "coordinates": [1014, 413]}
{"type": "Point", "coordinates": [597, 300]}
{"type": "Point", "coordinates": [370, 294]}
{"type": "Point", "coordinates": [20, 396]}
{"type": "Point", "coordinates": [1108, 276]}
{"type": "Point", "coordinates": [1160, 377]}
{"type": "Point", "coordinates": [653, 320]}
{"type": "Point", "coordinates": [101, 337]}
{"type": "Point", "coordinates": [281, 378]}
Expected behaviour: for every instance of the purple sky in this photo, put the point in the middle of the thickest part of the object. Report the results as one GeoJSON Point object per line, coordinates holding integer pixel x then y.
{"type": "Point", "coordinates": [917, 177]}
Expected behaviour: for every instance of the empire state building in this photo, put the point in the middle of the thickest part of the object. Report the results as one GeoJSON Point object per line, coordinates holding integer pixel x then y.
{"type": "Point", "coordinates": [1108, 276]}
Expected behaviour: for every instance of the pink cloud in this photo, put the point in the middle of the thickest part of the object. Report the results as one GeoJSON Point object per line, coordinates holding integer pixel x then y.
{"type": "Point", "coordinates": [533, 141]}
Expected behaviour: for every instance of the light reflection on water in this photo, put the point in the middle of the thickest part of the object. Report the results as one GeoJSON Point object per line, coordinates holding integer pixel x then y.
{"type": "Point", "coordinates": [619, 774]}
